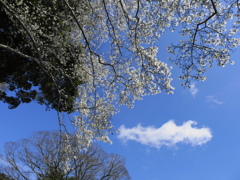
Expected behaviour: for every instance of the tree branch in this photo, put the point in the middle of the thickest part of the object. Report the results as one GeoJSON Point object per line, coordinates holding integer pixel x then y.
{"type": "Point", "coordinates": [199, 24]}
{"type": "Point", "coordinates": [26, 29]}
{"type": "Point", "coordinates": [17, 52]}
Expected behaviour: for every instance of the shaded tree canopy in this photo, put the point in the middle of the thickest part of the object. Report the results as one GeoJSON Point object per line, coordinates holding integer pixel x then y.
{"type": "Point", "coordinates": [53, 156]}
{"type": "Point", "coordinates": [31, 61]}
{"type": "Point", "coordinates": [94, 56]}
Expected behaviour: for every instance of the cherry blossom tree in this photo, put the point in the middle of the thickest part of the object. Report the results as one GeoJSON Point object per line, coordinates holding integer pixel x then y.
{"type": "Point", "coordinates": [209, 36]}
{"type": "Point", "coordinates": [124, 42]}
{"type": "Point", "coordinates": [115, 47]}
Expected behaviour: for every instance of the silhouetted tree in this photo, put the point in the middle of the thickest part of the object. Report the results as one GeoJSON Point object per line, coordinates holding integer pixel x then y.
{"type": "Point", "coordinates": [50, 156]}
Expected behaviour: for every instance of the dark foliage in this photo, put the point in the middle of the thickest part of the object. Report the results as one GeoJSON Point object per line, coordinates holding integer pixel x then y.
{"type": "Point", "coordinates": [29, 79]}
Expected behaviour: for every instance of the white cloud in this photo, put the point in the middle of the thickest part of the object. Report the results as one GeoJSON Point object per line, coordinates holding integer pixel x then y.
{"type": "Point", "coordinates": [214, 100]}
{"type": "Point", "coordinates": [193, 89]}
{"type": "Point", "coordinates": [169, 134]}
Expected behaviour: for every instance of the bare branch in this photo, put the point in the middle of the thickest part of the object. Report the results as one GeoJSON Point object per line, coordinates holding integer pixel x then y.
{"type": "Point", "coordinates": [17, 52]}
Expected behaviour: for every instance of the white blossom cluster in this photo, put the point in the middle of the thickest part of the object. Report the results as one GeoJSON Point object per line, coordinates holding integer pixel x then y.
{"type": "Point", "coordinates": [121, 63]}
{"type": "Point", "coordinates": [117, 51]}
{"type": "Point", "coordinates": [208, 29]}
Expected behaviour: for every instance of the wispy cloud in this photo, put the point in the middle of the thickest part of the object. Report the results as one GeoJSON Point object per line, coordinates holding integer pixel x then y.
{"type": "Point", "coordinates": [193, 89]}
{"type": "Point", "coordinates": [169, 134]}
{"type": "Point", "coordinates": [213, 100]}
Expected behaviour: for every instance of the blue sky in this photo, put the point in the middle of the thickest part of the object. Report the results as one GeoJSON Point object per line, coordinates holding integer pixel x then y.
{"type": "Point", "coordinates": [214, 106]}
{"type": "Point", "coordinates": [159, 139]}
